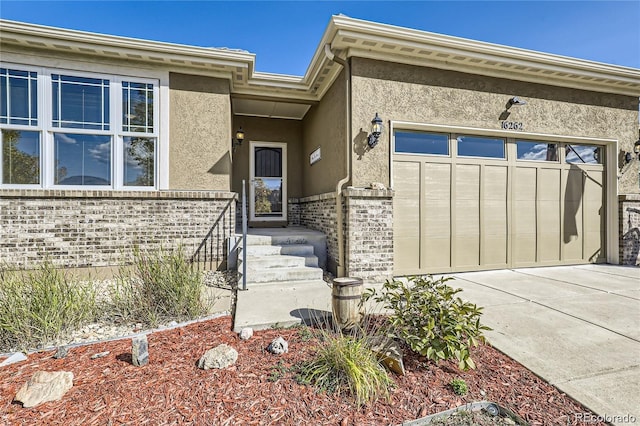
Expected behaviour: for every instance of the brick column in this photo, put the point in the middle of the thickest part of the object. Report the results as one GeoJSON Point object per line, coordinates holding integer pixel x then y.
{"type": "Point", "coordinates": [369, 234]}
{"type": "Point", "coordinates": [629, 219]}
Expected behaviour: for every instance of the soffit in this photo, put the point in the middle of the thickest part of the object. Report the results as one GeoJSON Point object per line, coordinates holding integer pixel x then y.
{"type": "Point", "coordinates": [269, 109]}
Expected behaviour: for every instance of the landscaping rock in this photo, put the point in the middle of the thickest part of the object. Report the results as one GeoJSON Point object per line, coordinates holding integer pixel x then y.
{"type": "Point", "coordinates": [388, 352]}
{"type": "Point", "coordinates": [44, 386]}
{"type": "Point", "coordinates": [246, 333]}
{"type": "Point", "coordinates": [100, 355]}
{"type": "Point", "coordinates": [278, 346]}
{"type": "Point", "coordinates": [221, 356]}
{"type": "Point", "coordinates": [16, 357]}
{"type": "Point", "coordinates": [139, 351]}
{"type": "Point", "coordinates": [62, 352]}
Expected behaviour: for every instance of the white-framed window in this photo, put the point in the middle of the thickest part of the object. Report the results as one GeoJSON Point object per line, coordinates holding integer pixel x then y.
{"type": "Point", "coordinates": [77, 130]}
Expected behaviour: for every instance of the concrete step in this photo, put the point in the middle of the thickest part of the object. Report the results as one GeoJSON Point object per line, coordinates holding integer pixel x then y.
{"type": "Point", "coordinates": [278, 261]}
{"type": "Point", "coordinates": [265, 240]}
{"type": "Point", "coordinates": [299, 273]}
{"type": "Point", "coordinates": [266, 250]}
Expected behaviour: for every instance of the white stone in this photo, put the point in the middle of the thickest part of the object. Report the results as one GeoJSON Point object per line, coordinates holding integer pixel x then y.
{"type": "Point", "coordinates": [278, 346]}
{"type": "Point", "coordinates": [16, 357]}
{"type": "Point", "coordinates": [246, 333]}
{"type": "Point", "coordinates": [44, 386]}
{"type": "Point", "coordinates": [221, 356]}
{"type": "Point", "coordinates": [139, 351]}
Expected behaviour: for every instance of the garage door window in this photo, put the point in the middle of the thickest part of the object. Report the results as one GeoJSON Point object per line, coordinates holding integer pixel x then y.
{"type": "Point", "coordinates": [474, 146]}
{"type": "Point", "coordinates": [422, 143]}
{"type": "Point", "coordinates": [583, 154]}
{"type": "Point", "coordinates": [537, 151]}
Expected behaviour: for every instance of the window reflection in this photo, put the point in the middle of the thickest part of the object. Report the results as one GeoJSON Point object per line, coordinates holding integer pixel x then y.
{"type": "Point", "coordinates": [18, 97]}
{"type": "Point", "coordinates": [20, 157]}
{"type": "Point", "coordinates": [537, 151]}
{"type": "Point", "coordinates": [80, 102]}
{"type": "Point", "coordinates": [582, 154]}
{"type": "Point", "coordinates": [474, 146]}
{"type": "Point", "coordinates": [82, 159]}
{"type": "Point", "coordinates": [268, 197]}
{"type": "Point", "coordinates": [421, 143]}
{"type": "Point", "coordinates": [139, 161]}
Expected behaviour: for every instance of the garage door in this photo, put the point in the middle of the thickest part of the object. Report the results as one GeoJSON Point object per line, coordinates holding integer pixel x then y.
{"type": "Point", "coordinates": [465, 203]}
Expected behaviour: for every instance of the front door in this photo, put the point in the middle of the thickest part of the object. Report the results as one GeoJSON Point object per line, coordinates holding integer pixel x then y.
{"type": "Point", "coordinates": [268, 189]}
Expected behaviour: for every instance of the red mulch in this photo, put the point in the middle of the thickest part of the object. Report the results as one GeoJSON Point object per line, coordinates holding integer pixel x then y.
{"type": "Point", "coordinates": [172, 390]}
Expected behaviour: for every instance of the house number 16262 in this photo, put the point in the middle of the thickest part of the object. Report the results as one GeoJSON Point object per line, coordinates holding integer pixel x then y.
{"type": "Point", "coordinates": [512, 125]}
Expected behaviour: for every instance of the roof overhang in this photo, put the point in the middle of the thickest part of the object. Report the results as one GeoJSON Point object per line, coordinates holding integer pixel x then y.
{"type": "Point", "coordinates": [396, 44]}
{"type": "Point", "coordinates": [346, 36]}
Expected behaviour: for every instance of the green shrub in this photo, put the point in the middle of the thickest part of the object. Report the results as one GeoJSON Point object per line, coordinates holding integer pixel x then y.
{"type": "Point", "coordinates": [161, 286]}
{"type": "Point", "coordinates": [343, 364]}
{"type": "Point", "coordinates": [38, 307]}
{"type": "Point", "coordinates": [432, 320]}
{"type": "Point", "coordinates": [459, 386]}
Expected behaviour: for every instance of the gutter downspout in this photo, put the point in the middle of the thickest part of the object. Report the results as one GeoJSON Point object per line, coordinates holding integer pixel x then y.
{"type": "Point", "coordinates": [340, 269]}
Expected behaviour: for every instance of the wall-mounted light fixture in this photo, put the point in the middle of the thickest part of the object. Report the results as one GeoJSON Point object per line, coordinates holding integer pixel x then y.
{"type": "Point", "coordinates": [238, 140]}
{"type": "Point", "coordinates": [627, 157]}
{"type": "Point", "coordinates": [515, 101]}
{"type": "Point", "coordinates": [636, 148]}
{"type": "Point", "coordinates": [376, 131]}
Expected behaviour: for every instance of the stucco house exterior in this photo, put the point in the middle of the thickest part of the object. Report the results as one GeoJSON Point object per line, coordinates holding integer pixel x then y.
{"type": "Point", "coordinates": [488, 157]}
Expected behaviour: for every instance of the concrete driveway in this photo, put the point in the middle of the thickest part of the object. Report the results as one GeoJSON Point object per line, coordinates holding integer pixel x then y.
{"type": "Point", "coordinates": [578, 327]}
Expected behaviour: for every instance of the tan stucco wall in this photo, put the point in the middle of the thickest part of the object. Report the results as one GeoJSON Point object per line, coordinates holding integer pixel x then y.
{"type": "Point", "coordinates": [200, 133]}
{"type": "Point", "coordinates": [324, 126]}
{"type": "Point", "coordinates": [259, 129]}
{"type": "Point", "coordinates": [427, 95]}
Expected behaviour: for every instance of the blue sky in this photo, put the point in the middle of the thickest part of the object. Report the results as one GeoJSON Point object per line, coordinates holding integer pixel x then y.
{"type": "Point", "coordinates": [284, 35]}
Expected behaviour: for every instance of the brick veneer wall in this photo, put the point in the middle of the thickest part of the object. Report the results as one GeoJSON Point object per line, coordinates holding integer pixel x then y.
{"type": "Point", "coordinates": [369, 236]}
{"type": "Point", "coordinates": [629, 215]}
{"type": "Point", "coordinates": [293, 212]}
{"type": "Point", "coordinates": [368, 230]}
{"type": "Point", "coordinates": [318, 212]}
{"type": "Point", "coordinates": [99, 228]}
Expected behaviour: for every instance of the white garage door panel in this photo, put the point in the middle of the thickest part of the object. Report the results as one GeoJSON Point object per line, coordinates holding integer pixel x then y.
{"type": "Point", "coordinates": [494, 216]}
{"type": "Point", "coordinates": [524, 216]}
{"type": "Point", "coordinates": [467, 216]}
{"type": "Point", "coordinates": [406, 211]}
{"type": "Point", "coordinates": [436, 230]}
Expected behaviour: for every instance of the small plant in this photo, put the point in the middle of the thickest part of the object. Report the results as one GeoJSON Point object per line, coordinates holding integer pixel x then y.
{"type": "Point", "coordinates": [161, 286]}
{"type": "Point", "coordinates": [278, 371]}
{"type": "Point", "coordinates": [39, 307]}
{"type": "Point", "coordinates": [459, 386]}
{"type": "Point", "coordinates": [305, 333]}
{"type": "Point", "coordinates": [429, 317]}
{"type": "Point", "coordinates": [344, 364]}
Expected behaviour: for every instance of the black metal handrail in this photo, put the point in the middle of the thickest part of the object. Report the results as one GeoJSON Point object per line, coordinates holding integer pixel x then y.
{"type": "Point", "coordinates": [212, 254]}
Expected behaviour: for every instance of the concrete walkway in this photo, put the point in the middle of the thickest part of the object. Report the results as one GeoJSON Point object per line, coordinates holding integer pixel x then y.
{"type": "Point", "coordinates": [578, 327]}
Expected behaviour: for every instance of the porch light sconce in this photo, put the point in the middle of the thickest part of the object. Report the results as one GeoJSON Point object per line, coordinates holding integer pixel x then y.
{"type": "Point", "coordinates": [636, 148]}
{"type": "Point", "coordinates": [515, 101]}
{"type": "Point", "coordinates": [239, 138]}
{"type": "Point", "coordinates": [376, 131]}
